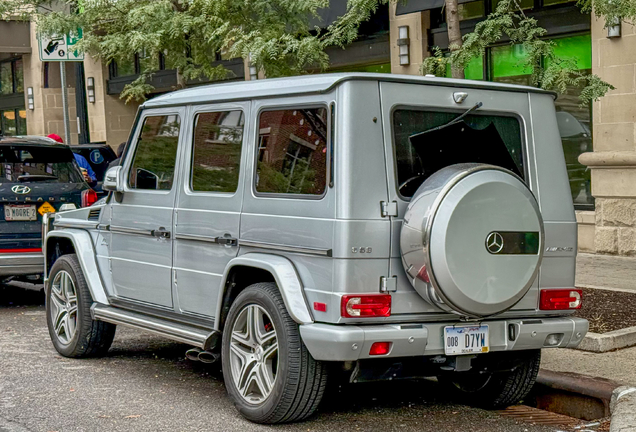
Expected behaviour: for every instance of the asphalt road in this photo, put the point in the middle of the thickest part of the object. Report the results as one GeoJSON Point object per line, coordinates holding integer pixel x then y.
{"type": "Point", "coordinates": [145, 384]}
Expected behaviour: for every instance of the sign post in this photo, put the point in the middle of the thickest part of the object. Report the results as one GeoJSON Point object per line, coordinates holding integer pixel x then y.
{"type": "Point", "coordinates": [67, 135]}
{"type": "Point", "coordinates": [62, 49]}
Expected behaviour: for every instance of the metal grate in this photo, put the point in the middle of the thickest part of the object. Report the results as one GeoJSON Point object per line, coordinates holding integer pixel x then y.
{"type": "Point", "coordinates": [93, 214]}
{"type": "Point", "coordinates": [538, 416]}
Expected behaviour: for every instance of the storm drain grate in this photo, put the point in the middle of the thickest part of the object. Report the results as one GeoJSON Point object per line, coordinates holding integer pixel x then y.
{"type": "Point", "coordinates": [538, 416]}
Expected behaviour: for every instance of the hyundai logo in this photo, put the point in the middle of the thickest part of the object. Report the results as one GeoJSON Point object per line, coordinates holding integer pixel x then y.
{"type": "Point", "coordinates": [494, 243]}
{"type": "Point", "coordinates": [19, 189]}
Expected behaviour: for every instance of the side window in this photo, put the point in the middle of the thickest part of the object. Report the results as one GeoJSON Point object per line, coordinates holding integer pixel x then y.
{"type": "Point", "coordinates": [153, 165]}
{"type": "Point", "coordinates": [292, 151]}
{"type": "Point", "coordinates": [216, 156]}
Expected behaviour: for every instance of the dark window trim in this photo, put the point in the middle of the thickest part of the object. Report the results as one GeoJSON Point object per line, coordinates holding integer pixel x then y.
{"type": "Point", "coordinates": [258, 194]}
{"type": "Point", "coordinates": [194, 117]}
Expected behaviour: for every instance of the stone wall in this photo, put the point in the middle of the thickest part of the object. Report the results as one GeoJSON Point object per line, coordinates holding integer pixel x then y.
{"type": "Point", "coordinates": [419, 23]}
{"type": "Point", "coordinates": [613, 162]}
{"type": "Point", "coordinates": [110, 118]}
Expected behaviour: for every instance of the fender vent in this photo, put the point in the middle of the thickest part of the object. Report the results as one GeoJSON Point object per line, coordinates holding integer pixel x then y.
{"type": "Point", "coordinates": [93, 214]}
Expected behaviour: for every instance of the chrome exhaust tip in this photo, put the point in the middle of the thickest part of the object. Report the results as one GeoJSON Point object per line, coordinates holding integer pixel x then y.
{"type": "Point", "coordinates": [208, 357]}
{"type": "Point", "coordinates": [193, 354]}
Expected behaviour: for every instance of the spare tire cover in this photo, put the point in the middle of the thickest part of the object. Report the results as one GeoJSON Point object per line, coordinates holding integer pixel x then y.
{"type": "Point", "coordinates": [472, 239]}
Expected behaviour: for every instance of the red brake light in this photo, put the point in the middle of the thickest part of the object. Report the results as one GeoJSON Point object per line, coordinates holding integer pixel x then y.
{"type": "Point", "coordinates": [380, 348]}
{"type": "Point", "coordinates": [560, 299]}
{"type": "Point", "coordinates": [89, 197]}
{"type": "Point", "coordinates": [361, 306]}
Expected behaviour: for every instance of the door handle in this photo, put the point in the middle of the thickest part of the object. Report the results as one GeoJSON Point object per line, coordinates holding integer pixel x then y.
{"type": "Point", "coordinates": [161, 233]}
{"type": "Point", "coordinates": [228, 241]}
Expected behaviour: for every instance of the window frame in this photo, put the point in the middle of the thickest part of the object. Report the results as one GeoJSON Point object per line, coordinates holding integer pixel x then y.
{"type": "Point", "coordinates": [130, 158]}
{"type": "Point", "coordinates": [522, 128]}
{"type": "Point", "coordinates": [188, 184]}
{"type": "Point", "coordinates": [256, 152]}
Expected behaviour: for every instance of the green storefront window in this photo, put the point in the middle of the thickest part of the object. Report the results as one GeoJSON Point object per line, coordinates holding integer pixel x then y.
{"type": "Point", "coordinates": [577, 48]}
{"type": "Point", "coordinates": [508, 63]}
{"type": "Point", "coordinates": [474, 70]}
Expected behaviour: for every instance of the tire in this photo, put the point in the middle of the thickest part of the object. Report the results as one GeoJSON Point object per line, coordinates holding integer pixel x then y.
{"type": "Point", "coordinates": [299, 381]}
{"type": "Point", "coordinates": [73, 331]}
{"type": "Point", "coordinates": [494, 390]}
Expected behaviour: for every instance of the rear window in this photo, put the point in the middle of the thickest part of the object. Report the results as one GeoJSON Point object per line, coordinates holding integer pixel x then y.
{"type": "Point", "coordinates": [24, 164]}
{"type": "Point", "coordinates": [421, 148]}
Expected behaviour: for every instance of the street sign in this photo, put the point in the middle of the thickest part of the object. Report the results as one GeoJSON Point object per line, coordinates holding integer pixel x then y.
{"type": "Point", "coordinates": [61, 48]}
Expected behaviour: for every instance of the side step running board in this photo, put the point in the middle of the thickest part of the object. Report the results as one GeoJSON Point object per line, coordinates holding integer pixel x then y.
{"type": "Point", "coordinates": [189, 334]}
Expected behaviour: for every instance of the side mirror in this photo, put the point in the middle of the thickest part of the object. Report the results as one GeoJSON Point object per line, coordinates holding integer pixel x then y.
{"type": "Point", "coordinates": [112, 181]}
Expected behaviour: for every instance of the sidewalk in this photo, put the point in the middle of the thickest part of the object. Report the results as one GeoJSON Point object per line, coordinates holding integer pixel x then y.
{"type": "Point", "coordinates": [617, 366]}
{"type": "Point", "coordinates": [605, 271]}
{"type": "Point", "coordinates": [609, 273]}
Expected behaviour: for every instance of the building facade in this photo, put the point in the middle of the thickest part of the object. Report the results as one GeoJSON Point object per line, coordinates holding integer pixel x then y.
{"type": "Point", "coordinates": [599, 142]}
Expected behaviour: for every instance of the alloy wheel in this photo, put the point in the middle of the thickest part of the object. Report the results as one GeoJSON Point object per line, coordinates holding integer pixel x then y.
{"type": "Point", "coordinates": [64, 307]}
{"type": "Point", "coordinates": [254, 354]}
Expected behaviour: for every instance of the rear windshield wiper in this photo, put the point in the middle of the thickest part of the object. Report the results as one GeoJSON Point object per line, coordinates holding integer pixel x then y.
{"type": "Point", "coordinates": [36, 177]}
{"type": "Point", "coordinates": [450, 123]}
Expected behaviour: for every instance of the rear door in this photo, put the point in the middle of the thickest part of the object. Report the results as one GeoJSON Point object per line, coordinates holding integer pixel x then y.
{"type": "Point", "coordinates": [403, 106]}
{"type": "Point", "coordinates": [209, 204]}
{"type": "Point", "coordinates": [142, 216]}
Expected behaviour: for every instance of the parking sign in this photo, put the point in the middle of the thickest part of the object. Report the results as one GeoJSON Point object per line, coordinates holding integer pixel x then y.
{"type": "Point", "coordinates": [61, 48]}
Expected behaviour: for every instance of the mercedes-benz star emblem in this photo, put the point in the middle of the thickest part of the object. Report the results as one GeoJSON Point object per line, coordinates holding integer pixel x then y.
{"type": "Point", "coordinates": [19, 189]}
{"type": "Point", "coordinates": [494, 243]}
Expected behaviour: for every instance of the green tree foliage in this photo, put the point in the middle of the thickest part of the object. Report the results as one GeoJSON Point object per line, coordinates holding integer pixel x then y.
{"type": "Point", "coordinates": [548, 70]}
{"type": "Point", "coordinates": [276, 35]}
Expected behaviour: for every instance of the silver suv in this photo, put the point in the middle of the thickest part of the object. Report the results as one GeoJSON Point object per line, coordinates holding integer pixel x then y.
{"type": "Point", "coordinates": [366, 225]}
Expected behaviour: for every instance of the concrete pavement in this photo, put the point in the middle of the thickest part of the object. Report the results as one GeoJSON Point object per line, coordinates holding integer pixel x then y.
{"type": "Point", "coordinates": [618, 365]}
{"type": "Point", "coordinates": [145, 384]}
{"type": "Point", "coordinates": [605, 271]}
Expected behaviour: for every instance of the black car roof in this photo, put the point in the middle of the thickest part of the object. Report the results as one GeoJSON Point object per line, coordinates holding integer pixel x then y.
{"type": "Point", "coordinates": [30, 140]}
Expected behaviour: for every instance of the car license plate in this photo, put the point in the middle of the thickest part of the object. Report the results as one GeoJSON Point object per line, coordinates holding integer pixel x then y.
{"type": "Point", "coordinates": [20, 212]}
{"type": "Point", "coordinates": [466, 339]}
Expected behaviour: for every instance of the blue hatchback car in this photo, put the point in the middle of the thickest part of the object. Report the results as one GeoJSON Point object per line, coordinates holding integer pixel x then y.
{"type": "Point", "coordinates": [37, 176]}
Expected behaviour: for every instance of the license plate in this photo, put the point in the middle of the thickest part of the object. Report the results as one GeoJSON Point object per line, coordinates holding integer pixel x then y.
{"type": "Point", "coordinates": [466, 339]}
{"type": "Point", "coordinates": [20, 212]}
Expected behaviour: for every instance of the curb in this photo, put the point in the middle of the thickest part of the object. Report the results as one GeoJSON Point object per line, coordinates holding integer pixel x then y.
{"type": "Point", "coordinates": [574, 394]}
{"type": "Point", "coordinates": [617, 339]}
{"type": "Point", "coordinates": [623, 407]}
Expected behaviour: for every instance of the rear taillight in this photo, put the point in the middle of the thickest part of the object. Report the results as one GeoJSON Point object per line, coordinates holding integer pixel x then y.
{"type": "Point", "coordinates": [89, 197]}
{"type": "Point", "coordinates": [362, 306]}
{"type": "Point", "coordinates": [560, 299]}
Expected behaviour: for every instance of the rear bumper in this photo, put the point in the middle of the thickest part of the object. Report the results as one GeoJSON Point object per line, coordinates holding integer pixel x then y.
{"type": "Point", "coordinates": [21, 264]}
{"type": "Point", "coordinates": [349, 343]}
